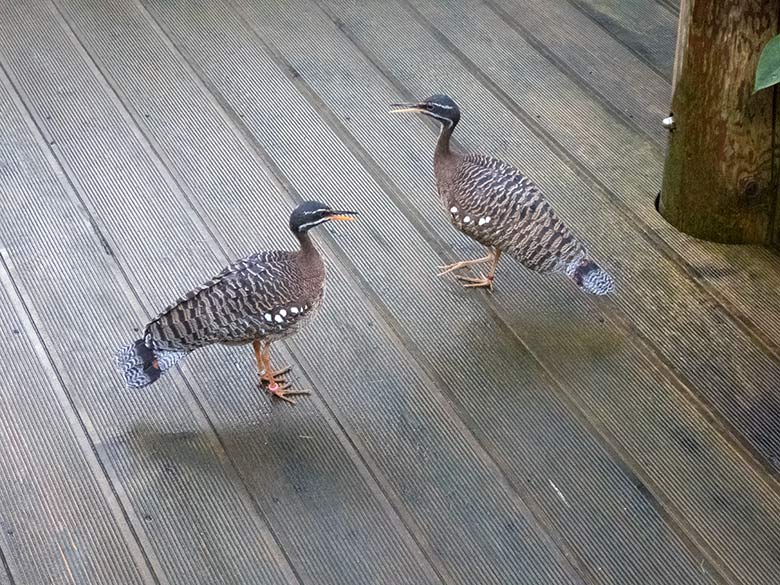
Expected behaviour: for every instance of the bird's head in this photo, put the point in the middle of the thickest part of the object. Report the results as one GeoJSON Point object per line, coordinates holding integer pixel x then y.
{"type": "Point", "coordinates": [439, 107]}
{"type": "Point", "coordinates": [313, 213]}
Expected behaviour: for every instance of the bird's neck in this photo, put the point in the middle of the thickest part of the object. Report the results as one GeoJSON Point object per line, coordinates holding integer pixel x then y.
{"type": "Point", "coordinates": [443, 153]}
{"type": "Point", "coordinates": [308, 250]}
{"type": "Point", "coordinates": [307, 246]}
{"type": "Point", "coordinates": [443, 145]}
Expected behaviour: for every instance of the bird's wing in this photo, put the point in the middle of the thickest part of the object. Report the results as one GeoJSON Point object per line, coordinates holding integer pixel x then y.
{"type": "Point", "coordinates": [236, 305]}
{"type": "Point", "coordinates": [499, 206]}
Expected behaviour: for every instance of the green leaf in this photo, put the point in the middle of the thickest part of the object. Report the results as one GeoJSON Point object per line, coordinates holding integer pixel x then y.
{"type": "Point", "coordinates": [768, 70]}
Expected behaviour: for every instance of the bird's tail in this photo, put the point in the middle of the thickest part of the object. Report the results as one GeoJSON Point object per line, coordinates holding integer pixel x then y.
{"type": "Point", "coordinates": [141, 365]}
{"type": "Point", "coordinates": [590, 277]}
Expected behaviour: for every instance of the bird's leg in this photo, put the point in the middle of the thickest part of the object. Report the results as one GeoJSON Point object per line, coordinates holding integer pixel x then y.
{"type": "Point", "coordinates": [484, 281]}
{"type": "Point", "coordinates": [268, 376]}
{"type": "Point", "coordinates": [261, 355]}
{"type": "Point", "coordinates": [266, 372]}
{"type": "Point", "coordinates": [464, 264]}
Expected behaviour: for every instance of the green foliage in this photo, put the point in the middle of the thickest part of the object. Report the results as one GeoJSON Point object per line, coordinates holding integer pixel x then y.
{"type": "Point", "coordinates": [768, 70]}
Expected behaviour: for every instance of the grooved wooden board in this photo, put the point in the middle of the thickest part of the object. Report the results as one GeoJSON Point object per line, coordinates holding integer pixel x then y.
{"type": "Point", "coordinates": [647, 29]}
{"type": "Point", "coordinates": [452, 436]}
{"type": "Point", "coordinates": [51, 473]}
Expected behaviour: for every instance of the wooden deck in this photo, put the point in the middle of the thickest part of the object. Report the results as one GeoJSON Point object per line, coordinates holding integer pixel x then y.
{"type": "Point", "coordinates": [529, 436]}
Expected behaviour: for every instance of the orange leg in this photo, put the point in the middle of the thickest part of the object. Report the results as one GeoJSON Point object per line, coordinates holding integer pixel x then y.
{"type": "Point", "coordinates": [268, 377]}
{"type": "Point", "coordinates": [263, 357]}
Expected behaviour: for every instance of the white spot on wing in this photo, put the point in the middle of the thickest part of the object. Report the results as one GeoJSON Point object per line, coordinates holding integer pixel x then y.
{"type": "Point", "coordinates": [282, 312]}
{"type": "Point", "coordinates": [294, 310]}
{"type": "Point", "coordinates": [467, 219]}
{"type": "Point", "coordinates": [278, 318]}
{"type": "Point", "coordinates": [268, 317]}
{"type": "Point", "coordinates": [453, 209]}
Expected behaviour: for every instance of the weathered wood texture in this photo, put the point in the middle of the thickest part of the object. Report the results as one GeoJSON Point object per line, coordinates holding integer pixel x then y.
{"type": "Point", "coordinates": [452, 438]}
{"type": "Point", "coordinates": [681, 42]}
{"type": "Point", "coordinates": [572, 46]}
{"type": "Point", "coordinates": [640, 26]}
{"type": "Point", "coordinates": [719, 178]}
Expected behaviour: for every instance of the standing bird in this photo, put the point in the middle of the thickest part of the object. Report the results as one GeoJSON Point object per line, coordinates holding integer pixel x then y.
{"type": "Point", "coordinates": [260, 299]}
{"type": "Point", "coordinates": [494, 204]}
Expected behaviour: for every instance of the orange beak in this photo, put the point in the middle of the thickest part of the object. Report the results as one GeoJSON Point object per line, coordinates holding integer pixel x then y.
{"type": "Point", "coordinates": [343, 215]}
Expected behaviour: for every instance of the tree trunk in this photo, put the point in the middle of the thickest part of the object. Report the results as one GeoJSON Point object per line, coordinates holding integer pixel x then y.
{"type": "Point", "coordinates": [720, 178]}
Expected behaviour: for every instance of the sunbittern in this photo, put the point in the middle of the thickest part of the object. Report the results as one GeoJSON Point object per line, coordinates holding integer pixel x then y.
{"type": "Point", "coordinates": [496, 205]}
{"type": "Point", "coordinates": [260, 299]}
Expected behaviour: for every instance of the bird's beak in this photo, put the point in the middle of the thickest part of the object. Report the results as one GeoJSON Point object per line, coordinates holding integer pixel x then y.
{"type": "Point", "coordinates": [398, 108]}
{"type": "Point", "coordinates": [343, 215]}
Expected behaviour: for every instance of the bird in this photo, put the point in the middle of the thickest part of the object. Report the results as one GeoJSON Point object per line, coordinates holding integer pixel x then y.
{"type": "Point", "coordinates": [259, 299]}
{"type": "Point", "coordinates": [492, 202]}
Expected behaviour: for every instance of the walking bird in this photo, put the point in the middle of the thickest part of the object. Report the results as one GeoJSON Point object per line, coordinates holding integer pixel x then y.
{"type": "Point", "coordinates": [496, 205]}
{"type": "Point", "coordinates": [259, 299]}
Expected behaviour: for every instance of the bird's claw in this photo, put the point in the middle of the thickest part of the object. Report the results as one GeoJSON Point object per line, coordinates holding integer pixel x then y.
{"type": "Point", "coordinates": [481, 282]}
{"type": "Point", "coordinates": [277, 376]}
{"type": "Point", "coordinates": [450, 267]}
{"type": "Point", "coordinates": [279, 392]}
{"type": "Point", "coordinates": [462, 264]}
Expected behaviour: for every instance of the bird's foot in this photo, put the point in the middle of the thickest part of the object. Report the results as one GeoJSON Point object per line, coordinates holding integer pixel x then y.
{"type": "Point", "coordinates": [277, 376]}
{"type": "Point", "coordinates": [481, 282]}
{"type": "Point", "coordinates": [462, 264]}
{"type": "Point", "coordinates": [279, 391]}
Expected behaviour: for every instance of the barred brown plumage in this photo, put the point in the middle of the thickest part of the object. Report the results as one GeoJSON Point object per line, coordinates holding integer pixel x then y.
{"type": "Point", "coordinates": [259, 299]}
{"type": "Point", "coordinates": [496, 205]}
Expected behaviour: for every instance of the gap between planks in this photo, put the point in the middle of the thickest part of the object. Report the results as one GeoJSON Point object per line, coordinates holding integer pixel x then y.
{"type": "Point", "coordinates": [380, 486]}
{"type": "Point", "coordinates": [731, 434]}
{"type": "Point", "coordinates": [164, 168]}
{"type": "Point", "coordinates": [123, 279]}
{"type": "Point", "coordinates": [286, 69]}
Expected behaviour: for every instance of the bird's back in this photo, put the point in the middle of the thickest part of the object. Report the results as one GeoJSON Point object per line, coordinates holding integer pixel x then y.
{"type": "Point", "coordinates": [262, 295]}
{"type": "Point", "coordinates": [495, 204]}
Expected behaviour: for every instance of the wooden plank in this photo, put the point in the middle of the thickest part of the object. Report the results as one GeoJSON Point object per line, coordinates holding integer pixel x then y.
{"type": "Point", "coordinates": [494, 129]}
{"type": "Point", "coordinates": [247, 238]}
{"type": "Point", "coordinates": [647, 29]}
{"type": "Point", "coordinates": [285, 143]}
{"type": "Point", "coordinates": [6, 576]}
{"type": "Point", "coordinates": [585, 145]}
{"type": "Point", "coordinates": [595, 60]}
{"type": "Point", "coordinates": [330, 527]}
{"type": "Point", "coordinates": [6, 570]}
{"type": "Point", "coordinates": [195, 524]}
{"type": "Point", "coordinates": [389, 419]}
{"type": "Point", "coordinates": [50, 480]}
{"type": "Point", "coordinates": [338, 76]}
{"type": "Point", "coordinates": [573, 46]}
{"type": "Point", "coordinates": [673, 6]}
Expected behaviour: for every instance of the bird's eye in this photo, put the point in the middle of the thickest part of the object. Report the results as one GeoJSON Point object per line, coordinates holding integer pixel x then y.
{"type": "Point", "coordinates": [428, 107]}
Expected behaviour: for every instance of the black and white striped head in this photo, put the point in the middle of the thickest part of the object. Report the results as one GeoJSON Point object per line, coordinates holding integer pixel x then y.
{"type": "Point", "coordinates": [438, 107]}
{"type": "Point", "coordinates": [313, 213]}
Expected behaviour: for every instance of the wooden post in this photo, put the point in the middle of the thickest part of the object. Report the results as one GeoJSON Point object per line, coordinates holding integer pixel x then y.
{"type": "Point", "coordinates": [720, 177]}
{"type": "Point", "coordinates": [682, 40]}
